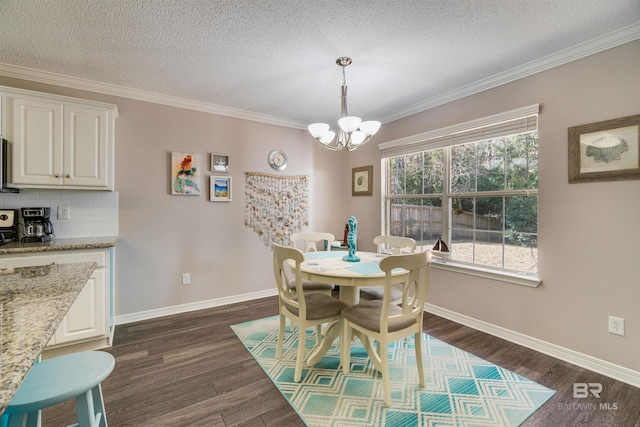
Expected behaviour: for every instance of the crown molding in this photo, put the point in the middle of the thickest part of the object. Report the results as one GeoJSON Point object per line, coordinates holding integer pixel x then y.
{"type": "Point", "coordinates": [23, 73]}
{"type": "Point", "coordinates": [599, 44]}
{"type": "Point", "coordinates": [582, 50]}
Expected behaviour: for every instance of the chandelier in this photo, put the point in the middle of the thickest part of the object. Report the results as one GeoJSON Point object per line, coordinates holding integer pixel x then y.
{"type": "Point", "coordinates": [352, 132]}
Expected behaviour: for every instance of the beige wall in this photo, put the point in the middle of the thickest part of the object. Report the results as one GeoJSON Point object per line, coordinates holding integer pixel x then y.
{"type": "Point", "coordinates": [589, 249]}
{"type": "Point", "coordinates": [162, 236]}
{"type": "Point", "coordinates": [589, 246]}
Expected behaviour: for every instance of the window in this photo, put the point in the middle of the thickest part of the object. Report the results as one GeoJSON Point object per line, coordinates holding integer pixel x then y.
{"type": "Point", "coordinates": [475, 185]}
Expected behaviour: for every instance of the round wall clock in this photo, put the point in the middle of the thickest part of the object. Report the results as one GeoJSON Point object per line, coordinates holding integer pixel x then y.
{"type": "Point", "coordinates": [278, 160]}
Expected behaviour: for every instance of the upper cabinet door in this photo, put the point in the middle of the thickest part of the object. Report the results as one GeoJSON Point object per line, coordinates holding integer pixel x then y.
{"type": "Point", "coordinates": [58, 141]}
{"type": "Point", "coordinates": [37, 141]}
{"type": "Point", "coordinates": [86, 143]}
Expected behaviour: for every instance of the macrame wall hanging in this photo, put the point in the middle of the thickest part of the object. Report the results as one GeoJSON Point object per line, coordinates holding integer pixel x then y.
{"type": "Point", "coordinates": [276, 206]}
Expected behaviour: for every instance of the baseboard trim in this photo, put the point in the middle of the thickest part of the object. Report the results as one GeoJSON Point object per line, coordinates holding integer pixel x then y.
{"type": "Point", "coordinates": [183, 308]}
{"type": "Point", "coordinates": [603, 367]}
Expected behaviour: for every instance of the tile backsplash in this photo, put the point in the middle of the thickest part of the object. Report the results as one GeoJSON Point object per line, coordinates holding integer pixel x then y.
{"type": "Point", "coordinates": [91, 213]}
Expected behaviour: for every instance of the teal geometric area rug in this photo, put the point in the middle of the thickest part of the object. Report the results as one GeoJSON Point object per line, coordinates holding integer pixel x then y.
{"type": "Point", "coordinates": [461, 389]}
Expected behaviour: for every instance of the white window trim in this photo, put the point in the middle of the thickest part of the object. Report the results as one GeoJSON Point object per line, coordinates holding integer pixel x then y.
{"type": "Point", "coordinates": [448, 131]}
{"type": "Point", "coordinates": [487, 273]}
{"type": "Point", "coordinates": [472, 270]}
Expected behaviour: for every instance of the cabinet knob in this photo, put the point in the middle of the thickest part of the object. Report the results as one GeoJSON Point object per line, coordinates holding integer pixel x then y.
{"type": "Point", "coordinates": [67, 176]}
{"type": "Point", "coordinates": [57, 175]}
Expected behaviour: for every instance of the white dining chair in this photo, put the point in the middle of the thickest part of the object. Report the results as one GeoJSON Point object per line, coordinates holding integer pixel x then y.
{"type": "Point", "coordinates": [310, 241]}
{"type": "Point", "coordinates": [303, 309]}
{"type": "Point", "coordinates": [396, 245]}
{"type": "Point", "coordinates": [385, 322]}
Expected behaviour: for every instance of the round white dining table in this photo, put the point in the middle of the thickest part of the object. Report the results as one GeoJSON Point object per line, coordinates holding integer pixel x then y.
{"type": "Point", "coordinates": [329, 267]}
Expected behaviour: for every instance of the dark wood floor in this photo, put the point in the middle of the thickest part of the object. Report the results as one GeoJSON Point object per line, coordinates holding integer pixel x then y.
{"type": "Point", "coordinates": [191, 370]}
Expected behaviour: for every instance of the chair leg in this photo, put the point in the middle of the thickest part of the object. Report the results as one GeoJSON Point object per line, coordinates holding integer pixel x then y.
{"type": "Point", "coordinates": [280, 337]}
{"type": "Point", "coordinates": [318, 334]}
{"type": "Point", "coordinates": [383, 351]}
{"type": "Point", "coordinates": [418, 345]}
{"type": "Point", "coordinates": [345, 346]}
{"type": "Point", "coordinates": [85, 409]}
{"type": "Point", "coordinates": [302, 337]}
{"type": "Point", "coordinates": [98, 406]}
{"type": "Point", "coordinates": [31, 419]}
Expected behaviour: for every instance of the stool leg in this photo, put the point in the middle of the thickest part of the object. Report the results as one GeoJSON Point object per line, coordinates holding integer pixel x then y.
{"type": "Point", "coordinates": [84, 407]}
{"type": "Point", "coordinates": [30, 419]}
{"type": "Point", "coordinates": [98, 405]}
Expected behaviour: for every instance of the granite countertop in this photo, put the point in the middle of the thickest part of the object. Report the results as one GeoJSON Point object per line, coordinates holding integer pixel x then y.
{"type": "Point", "coordinates": [59, 245]}
{"type": "Point", "coordinates": [33, 301]}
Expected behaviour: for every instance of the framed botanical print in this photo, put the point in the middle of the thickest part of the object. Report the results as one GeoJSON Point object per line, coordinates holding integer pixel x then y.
{"type": "Point", "coordinates": [362, 181]}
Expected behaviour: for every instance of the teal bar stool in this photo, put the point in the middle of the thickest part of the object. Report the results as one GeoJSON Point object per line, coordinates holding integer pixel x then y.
{"type": "Point", "coordinates": [72, 376]}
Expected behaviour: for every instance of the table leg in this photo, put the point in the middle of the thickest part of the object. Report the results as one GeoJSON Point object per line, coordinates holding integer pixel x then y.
{"type": "Point", "coordinates": [350, 295]}
{"type": "Point", "coordinates": [332, 332]}
{"type": "Point", "coordinates": [370, 349]}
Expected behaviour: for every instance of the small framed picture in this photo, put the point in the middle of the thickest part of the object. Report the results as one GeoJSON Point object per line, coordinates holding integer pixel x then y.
{"type": "Point", "coordinates": [219, 162]}
{"type": "Point", "coordinates": [605, 151]}
{"type": "Point", "coordinates": [220, 188]}
{"type": "Point", "coordinates": [362, 181]}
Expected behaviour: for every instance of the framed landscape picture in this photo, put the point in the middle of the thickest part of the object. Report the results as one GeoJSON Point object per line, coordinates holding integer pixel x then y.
{"type": "Point", "coordinates": [220, 189]}
{"type": "Point", "coordinates": [362, 181]}
{"type": "Point", "coordinates": [605, 151]}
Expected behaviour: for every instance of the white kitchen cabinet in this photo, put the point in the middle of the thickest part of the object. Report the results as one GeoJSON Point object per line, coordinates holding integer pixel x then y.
{"type": "Point", "coordinates": [58, 142]}
{"type": "Point", "coordinates": [87, 324]}
{"type": "Point", "coordinates": [86, 319]}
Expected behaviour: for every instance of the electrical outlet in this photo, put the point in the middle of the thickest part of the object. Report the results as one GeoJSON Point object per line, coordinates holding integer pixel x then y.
{"type": "Point", "coordinates": [186, 278]}
{"type": "Point", "coordinates": [63, 212]}
{"type": "Point", "coordinates": [616, 325]}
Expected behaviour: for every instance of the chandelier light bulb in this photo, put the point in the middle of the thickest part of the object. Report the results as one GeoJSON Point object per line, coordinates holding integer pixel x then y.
{"type": "Point", "coordinates": [353, 132]}
{"type": "Point", "coordinates": [349, 124]}
{"type": "Point", "coordinates": [317, 130]}
{"type": "Point", "coordinates": [358, 137]}
{"type": "Point", "coordinates": [370, 127]}
{"type": "Point", "coordinates": [327, 137]}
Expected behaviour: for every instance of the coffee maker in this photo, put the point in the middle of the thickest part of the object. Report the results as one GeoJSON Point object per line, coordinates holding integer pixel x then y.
{"type": "Point", "coordinates": [36, 226]}
{"type": "Point", "coordinates": [8, 226]}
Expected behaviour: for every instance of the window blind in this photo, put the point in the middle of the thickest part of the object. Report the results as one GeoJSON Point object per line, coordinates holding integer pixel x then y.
{"type": "Point", "coordinates": [511, 122]}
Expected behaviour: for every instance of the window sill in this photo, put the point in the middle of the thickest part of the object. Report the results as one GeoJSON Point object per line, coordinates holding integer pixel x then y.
{"type": "Point", "coordinates": [502, 276]}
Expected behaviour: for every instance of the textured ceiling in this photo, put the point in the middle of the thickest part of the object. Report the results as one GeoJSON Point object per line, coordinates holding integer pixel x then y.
{"type": "Point", "coordinates": [277, 57]}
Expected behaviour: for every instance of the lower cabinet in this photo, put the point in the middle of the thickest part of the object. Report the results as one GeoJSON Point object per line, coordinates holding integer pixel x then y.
{"type": "Point", "coordinates": [86, 318]}
{"type": "Point", "coordinates": [87, 324]}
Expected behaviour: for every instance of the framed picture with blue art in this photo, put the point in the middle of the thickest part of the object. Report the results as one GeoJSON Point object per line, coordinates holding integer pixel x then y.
{"type": "Point", "coordinates": [220, 189]}
{"type": "Point", "coordinates": [185, 174]}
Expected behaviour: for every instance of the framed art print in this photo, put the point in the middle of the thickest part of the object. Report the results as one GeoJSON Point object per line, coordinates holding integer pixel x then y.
{"type": "Point", "coordinates": [185, 174]}
{"type": "Point", "coordinates": [362, 181]}
{"type": "Point", "coordinates": [605, 151]}
{"type": "Point", "coordinates": [219, 162]}
{"type": "Point", "coordinates": [220, 188]}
